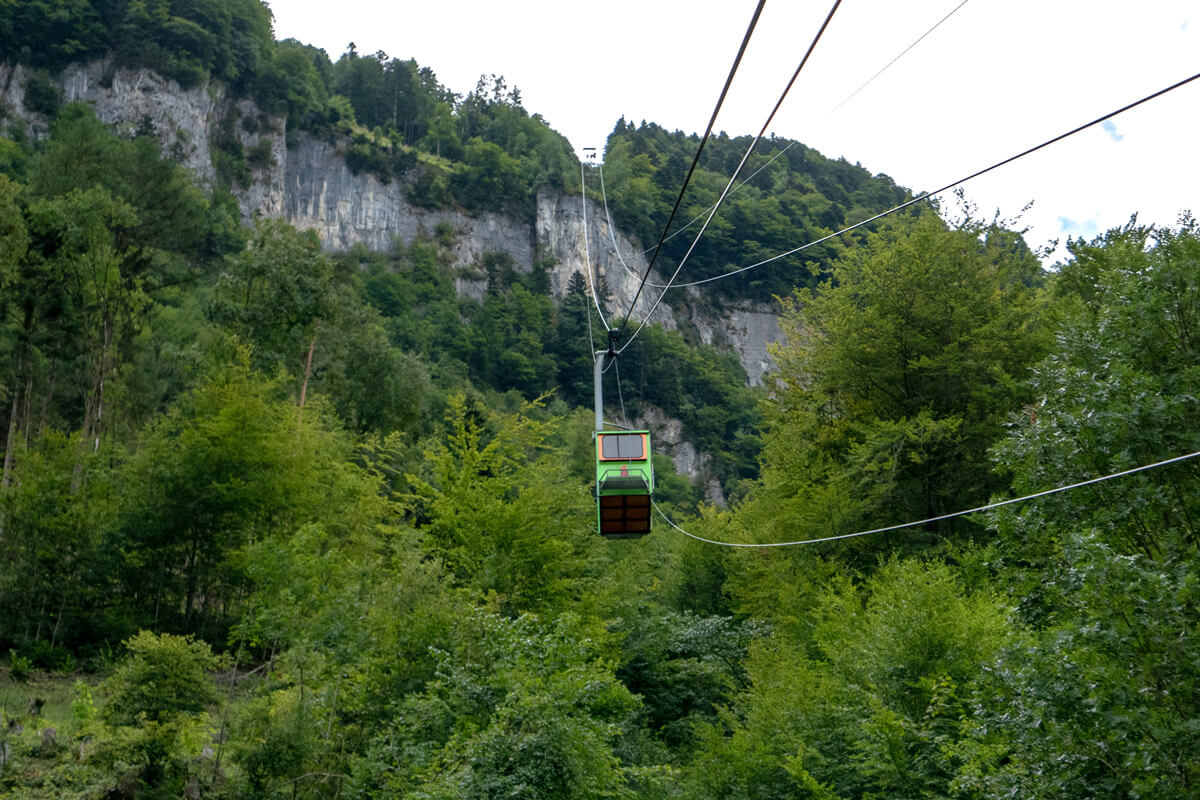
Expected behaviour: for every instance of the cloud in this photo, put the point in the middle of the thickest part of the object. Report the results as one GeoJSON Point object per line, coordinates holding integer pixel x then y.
{"type": "Point", "coordinates": [1083, 230]}
{"type": "Point", "coordinates": [1111, 130]}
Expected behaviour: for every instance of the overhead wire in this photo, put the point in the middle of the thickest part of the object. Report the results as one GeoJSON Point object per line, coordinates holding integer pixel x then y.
{"type": "Point", "coordinates": [591, 337]}
{"type": "Point", "coordinates": [620, 395]}
{"type": "Point", "coordinates": [903, 52]}
{"type": "Point", "coordinates": [774, 157]}
{"type": "Point", "coordinates": [976, 510]}
{"type": "Point", "coordinates": [725, 192]}
{"type": "Point", "coordinates": [587, 260]}
{"type": "Point", "coordinates": [604, 198]}
{"type": "Point", "coordinates": [611, 230]}
{"type": "Point", "coordinates": [790, 144]}
{"type": "Point", "coordinates": [700, 149]}
{"type": "Point", "coordinates": [926, 195]}
{"type": "Point", "coordinates": [777, 155]}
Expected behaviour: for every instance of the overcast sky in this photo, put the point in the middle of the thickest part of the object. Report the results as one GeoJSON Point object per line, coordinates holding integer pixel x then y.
{"type": "Point", "coordinates": [997, 77]}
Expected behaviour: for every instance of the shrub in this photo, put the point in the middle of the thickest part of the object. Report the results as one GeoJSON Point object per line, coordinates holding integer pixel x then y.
{"type": "Point", "coordinates": [164, 676]}
{"type": "Point", "coordinates": [19, 667]}
{"type": "Point", "coordinates": [42, 95]}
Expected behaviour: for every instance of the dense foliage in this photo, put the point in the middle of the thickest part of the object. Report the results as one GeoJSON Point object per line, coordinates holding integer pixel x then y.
{"type": "Point", "coordinates": [789, 195]}
{"type": "Point", "coordinates": [279, 524]}
{"type": "Point", "coordinates": [390, 117]}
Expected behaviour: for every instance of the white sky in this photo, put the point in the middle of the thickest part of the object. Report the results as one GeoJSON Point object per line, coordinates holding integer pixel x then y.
{"type": "Point", "coordinates": [997, 77]}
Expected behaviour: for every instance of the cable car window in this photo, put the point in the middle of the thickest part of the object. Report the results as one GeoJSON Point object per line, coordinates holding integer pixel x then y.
{"type": "Point", "coordinates": [622, 445]}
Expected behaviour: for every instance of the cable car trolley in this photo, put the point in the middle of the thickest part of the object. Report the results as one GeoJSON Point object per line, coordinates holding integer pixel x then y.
{"type": "Point", "coordinates": [624, 483]}
{"type": "Point", "coordinates": [624, 471]}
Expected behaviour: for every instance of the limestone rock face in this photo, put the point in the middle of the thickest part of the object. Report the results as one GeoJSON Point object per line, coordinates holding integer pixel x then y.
{"type": "Point", "coordinates": [183, 119]}
{"type": "Point", "coordinates": [748, 328]}
{"type": "Point", "coordinates": [319, 192]}
{"type": "Point", "coordinates": [597, 251]}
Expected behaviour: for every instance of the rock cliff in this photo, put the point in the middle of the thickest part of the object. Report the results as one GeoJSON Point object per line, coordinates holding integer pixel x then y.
{"type": "Point", "coordinates": [306, 181]}
{"type": "Point", "coordinates": [309, 184]}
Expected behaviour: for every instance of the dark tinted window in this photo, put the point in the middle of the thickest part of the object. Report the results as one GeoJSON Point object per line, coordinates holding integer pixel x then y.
{"type": "Point", "coordinates": [621, 445]}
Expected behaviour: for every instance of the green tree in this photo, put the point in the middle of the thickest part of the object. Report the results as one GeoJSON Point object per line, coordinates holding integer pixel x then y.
{"type": "Point", "coordinates": [157, 704]}
{"type": "Point", "coordinates": [532, 711]}
{"type": "Point", "coordinates": [895, 379]}
{"type": "Point", "coordinates": [1100, 701]}
{"type": "Point", "coordinates": [871, 705]}
{"type": "Point", "coordinates": [490, 180]}
{"type": "Point", "coordinates": [226, 467]}
{"type": "Point", "coordinates": [277, 294]}
{"type": "Point", "coordinates": [14, 242]}
{"type": "Point", "coordinates": [52, 34]}
{"type": "Point", "coordinates": [1119, 387]}
{"type": "Point", "coordinates": [501, 513]}
{"type": "Point", "coordinates": [168, 238]}
{"type": "Point", "coordinates": [569, 344]}
{"type": "Point", "coordinates": [59, 571]}
{"type": "Point", "coordinates": [297, 78]}
{"type": "Point", "coordinates": [107, 224]}
{"type": "Point", "coordinates": [441, 138]}
{"type": "Point", "coordinates": [163, 677]}
{"type": "Point", "coordinates": [84, 231]}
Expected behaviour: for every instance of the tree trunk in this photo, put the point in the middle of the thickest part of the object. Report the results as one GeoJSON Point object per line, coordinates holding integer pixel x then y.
{"type": "Point", "coordinates": [312, 346]}
{"type": "Point", "coordinates": [48, 400]}
{"type": "Point", "coordinates": [8, 455]}
{"type": "Point", "coordinates": [192, 582]}
{"type": "Point", "coordinates": [27, 405]}
{"type": "Point", "coordinates": [93, 406]}
{"type": "Point", "coordinates": [8, 441]}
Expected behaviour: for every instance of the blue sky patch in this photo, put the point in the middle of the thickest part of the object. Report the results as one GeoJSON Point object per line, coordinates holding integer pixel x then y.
{"type": "Point", "coordinates": [1086, 229]}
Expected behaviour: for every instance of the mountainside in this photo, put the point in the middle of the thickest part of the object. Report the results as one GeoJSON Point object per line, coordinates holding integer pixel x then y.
{"type": "Point", "coordinates": [299, 490]}
{"type": "Point", "coordinates": [307, 182]}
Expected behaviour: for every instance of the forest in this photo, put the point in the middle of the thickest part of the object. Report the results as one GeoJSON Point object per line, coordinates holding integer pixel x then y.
{"type": "Point", "coordinates": [283, 523]}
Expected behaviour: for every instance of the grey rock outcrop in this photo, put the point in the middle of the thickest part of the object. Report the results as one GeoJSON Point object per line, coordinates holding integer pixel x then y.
{"type": "Point", "coordinates": [748, 328]}
{"type": "Point", "coordinates": [129, 99]}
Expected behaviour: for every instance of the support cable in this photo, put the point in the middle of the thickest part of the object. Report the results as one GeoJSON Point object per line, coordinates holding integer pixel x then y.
{"type": "Point", "coordinates": [903, 53]}
{"type": "Point", "coordinates": [587, 261]}
{"type": "Point", "coordinates": [696, 159]}
{"type": "Point", "coordinates": [621, 396]}
{"type": "Point", "coordinates": [591, 337]}
{"type": "Point", "coordinates": [976, 510]}
{"type": "Point", "coordinates": [725, 193]}
{"type": "Point", "coordinates": [612, 235]}
{"type": "Point", "coordinates": [753, 175]}
{"type": "Point", "coordinates": [774, 157]}
{"type": "Point", "coordinates": [927, 195]}
{"type": "Point", "coordinates": [790, 144]}
{"type": "Point", "coordinates": [604, 197]}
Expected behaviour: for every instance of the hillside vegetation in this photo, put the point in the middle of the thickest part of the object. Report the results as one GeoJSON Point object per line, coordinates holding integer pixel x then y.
{"type": "Point", "coordinates": [276, 523]}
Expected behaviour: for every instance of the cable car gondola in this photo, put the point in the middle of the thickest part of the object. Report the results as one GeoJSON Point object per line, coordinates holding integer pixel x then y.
{"type": "Point", "coordinates": [624, 483]}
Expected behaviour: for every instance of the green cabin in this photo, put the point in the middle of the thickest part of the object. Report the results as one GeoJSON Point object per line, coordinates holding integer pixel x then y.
{"type": "Point", "coordinates": [624, 483]}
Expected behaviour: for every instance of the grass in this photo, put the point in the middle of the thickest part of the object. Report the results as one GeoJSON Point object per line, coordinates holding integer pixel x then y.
{"type": "Point", "coordinates": [55, 690]}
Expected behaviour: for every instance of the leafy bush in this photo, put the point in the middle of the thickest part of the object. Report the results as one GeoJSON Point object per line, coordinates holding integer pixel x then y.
{"type": "Point", "coordinates": [165, 676]}
{"type": "Point", "coordinates": [19, 667]}
{"type": "Point", "coordinates": [42, 95]}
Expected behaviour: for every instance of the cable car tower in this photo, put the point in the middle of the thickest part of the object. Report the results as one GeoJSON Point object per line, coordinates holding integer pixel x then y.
{"type": "Point", "coordinates": [624, 472]}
